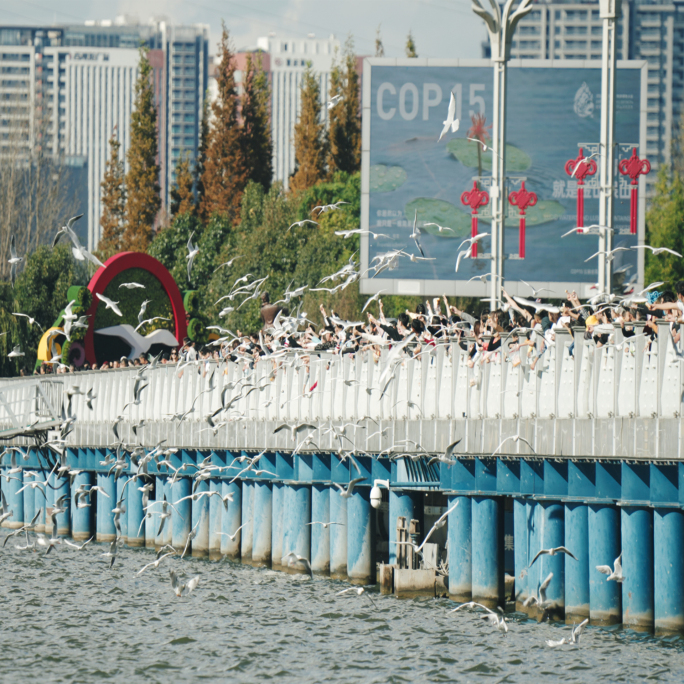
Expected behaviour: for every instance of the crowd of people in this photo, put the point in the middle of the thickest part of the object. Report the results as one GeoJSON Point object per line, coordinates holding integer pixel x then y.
{"type": "Point", "coordinates": [527, 327]}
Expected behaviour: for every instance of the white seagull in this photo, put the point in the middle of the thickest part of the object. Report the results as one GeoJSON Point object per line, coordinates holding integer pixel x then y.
{"type": "Point", "coordinates": [495, 619]}
{"type": "Point", "coordinates": [346, 493]}
{"type": "Point", "coordinates": [658, 250]}
{"type": "Point", "coordinates": [613, 573]}
{"type": "Point", "coordinates": [131, 285]}
{"type": "Point", "coordinates": [14, 260]}
{"type": "Point", "coordinates": [109, 304]}
{"type": "Point", "coordinates": [540, 597]}
{"type": "Point", "coordinates": [193, 251]}
{"type": "Point", "coordinates": [31, 320]}
{"type": "Point", "coordinates": [552, 552]}
{"type": "Point", "coordinates": [450, 121]}
{"type": "Point", "coordinates": [515, 438]}
{"type": "Point", "coordinates": [299, 224]}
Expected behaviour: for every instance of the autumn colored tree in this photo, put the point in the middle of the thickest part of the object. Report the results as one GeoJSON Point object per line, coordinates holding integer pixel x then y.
{"type": "Point", "coordinates": [142, 180]}
{"type": "Point", "coordinates": [113, 200]}
{"type": "Point", "coordinates": [344, 132]}
{"type": "Point", "coordinates": [410, 46]}
{"type": "Point", "coordinates": [257, 144]}
{"type": "Point", "coordinates": [379, 47]}
{"type": "Point", "coordinates": [309, 138]}
{"type": "Point", "coordinates": [182, 197]}
{"type": "Point", "coordinates": [200, 161]}
{"type": "Point", "coordinates": [225, 174]}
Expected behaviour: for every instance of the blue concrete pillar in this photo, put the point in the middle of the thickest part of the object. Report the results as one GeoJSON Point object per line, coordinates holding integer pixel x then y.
{"type": "Point", "coordinates": [459, 533]}
{"type": "Point", "coordinates": [40, 499]}
{"type": "Point", "coordinates": [181, 517]}
{"type": "Point", "coordinates": [488, 570]}
{"type": "Point", "coordinates": [155, 520]}
{"type": "Point", "coordinates": [338, 535]}
{"type": "Point", "coordinates": [64, 518]}
{"type": "Point", "coordinates": [15, 501]}
{"type": "Point", "coordinates": [297, 514]}
{"type": "Point", "coordinates": [520, 550]}
{"type": "Point", "coordinates": [169, 493]}
{"type": "Point", "coordinates": [263, 520]}
{"type": "Point", "coordinates": [360, 568]}
{"type": "Point", "coordinates": [29, 495]}
{"type": "Point", "coordinates": [122, 501]}
{"type": "Point", "coordinates": [80, 517]}
{"type": "Point", "coordinates": [668, 557]}
{"type": "Point", "coordinates": [134, 514]}
{"type": "Point", "coordinates": [604, 547]}
{"type": "Point", "coordinates": [401, 504]}
{"type": "Point", "coordinates": [231, 519]}
{"type": "Point", "coordinates": [552, 535]}
{"type": "Point", "coordinates": [320, 536]}
{"type": "Point", "coordinates": [215, 509]}
{"type": "Point", "coordinates": [637, 565]}
{"type": "Point", "coordinates": [200, 521]}
{"type": "Point", "coordinates": [247, 532]}
{"type": "Point", "coordinates": [105, 530]}
{"type": "Point", "coordinates": [577, 571]}
{"type": "Point", "coordinates": [277, 524]}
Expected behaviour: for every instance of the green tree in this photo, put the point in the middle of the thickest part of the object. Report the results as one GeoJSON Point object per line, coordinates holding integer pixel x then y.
{"type": "Point", "coordinates": [200, 162]}
{"type": "Point", "coordinates": [182, 197]}
{"type": "Point", "coordinates": [379, 47]}
{"type": "Point", "coordinates": [113, 217]}
{"type": "Point", "coordinates": [225, 174]}
{"type": "Point", "coordinates": [142, 180]}
{"type": "Point", "coordinates": [664, 228]}
{"type": "Point", "coordinates": [410, 46]}
{"type": "Point", "coordinates": [257, 145]}
{"type": "Point", "coordinates": [309, 137]}
{"type": "Point", "coordinates": [344, 132]}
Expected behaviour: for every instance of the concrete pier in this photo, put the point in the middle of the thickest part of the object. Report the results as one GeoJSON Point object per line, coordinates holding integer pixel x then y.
{"type": "Point", "coordinates": [247, 532]}
{"type": "Point", "coordinates": [360, 567]}
{"type": "Point", "coordinates": [297, 513]}
{"type": "Point", "coordinates": [637, 566]}
{"type": "Point", "coordinates": [200, 522]}
{"type": "Point", "coordinates": [15, 501]}
{"type": "Point", "coordinates": [459, 531]}
{"type": "Point", "coordinates": [29, 495]}
{"type": "Point", "coordinates": [106, 532]}
{"type": "Point", "coordinates": [135, 513]}
{"type": "Point", "coordinates": [231, 519]}
{"type": "Point", "coordinates": [40, 499]}
{"type": "Point", "coordinates": [401, 504]}
{"type": "Point", "coordinates": [552, 536]}
{"type": "Point", "coordinates": [215, 511]}
{"type": "Point", "coordinates": [80, 517]}
{"type": "Point", "coordinates": [487, 551]}
{"type": "Point", "coordinates": [263, 522]}
{"type": "Point", "coordinates": [520, 551]}
{"type": "Point", "coordinates": [604, 547]}
{"type": "Point", "coordinates": [338, 535]}
{"type": "Point", "coordinates": [320, 536]}
{"type": "Point", "coordinates": [577, 594]}
{"type": "Point", "coordinates": [181, 515]}
{"type": "Point", "coordinates": [277, 523]}
{"type": "Point", "coordinates": [668, 557]}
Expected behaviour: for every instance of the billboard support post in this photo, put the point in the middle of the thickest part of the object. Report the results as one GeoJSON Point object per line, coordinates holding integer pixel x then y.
{"type": "Point", "coordinates": [501, 27]}
{"type": "Point", "coordinates": [610, 11]}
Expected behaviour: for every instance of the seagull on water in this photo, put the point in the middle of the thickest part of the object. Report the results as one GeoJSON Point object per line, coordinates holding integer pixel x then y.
{"type": "Point", "coordinates": [359, 591]}
{"type": "Point", "coordinates": [574, 636]}
{"type": "Point", "coordinates": [182, 589]}
{"type": "Point", "coordinates": [495, 619]}
{"type": "Point", "coordinates": [296, 559]}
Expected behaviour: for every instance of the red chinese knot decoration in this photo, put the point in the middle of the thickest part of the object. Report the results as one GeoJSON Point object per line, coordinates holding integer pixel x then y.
{"type": "Point", "coordinates": [474, 199]}
{"type": "Point", "coordinates": [580, 168]}
{"type": "Point", "coordinates": [522, 199]}
{"type": "Point", "coordinates": [634, 167]}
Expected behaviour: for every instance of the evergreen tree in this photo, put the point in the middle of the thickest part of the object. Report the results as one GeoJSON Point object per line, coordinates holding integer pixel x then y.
{"type": "Point", "coordinates": [410, 46]}
{"type": "Point", "coordinates": [379, 47]}
{"type": "Point", "coordinates": [344, 133]}
{"type": "Point", "coordinates": [664, 228]}
{"type": "Point", "coordinates": [257, 145]}
{"type": "Point", "coordinates": [309, 138]}
{"type": "Point", "coordinates": [113, 202]}
{"type": "Point", "coordinates": [225, 175]}
{"type": "Point", "coordinates": [142, 180]}
{"type": "Point", "coordinates": [200, 162]}
{"type": "Point", "coordinates": [182, 197]}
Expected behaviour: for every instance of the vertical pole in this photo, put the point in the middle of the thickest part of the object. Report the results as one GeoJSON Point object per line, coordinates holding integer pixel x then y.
{"type": "Point", "coordinates": [159, 493]}
{"type": "Point", "coordinates": [135, 514]}
{"type": "Point", "coordinates": [668, 537]}
{"type": "Point", "coordinates": [247, 532]}
{"type": "Point", "coordinates": [106, 532]}
{"type": "Point", "coordinates": [520, 550]}
{"type": "Point", "coordinates": [231, 519]}
{"type": "Point", "coordinates": [553, 535]}
{"type": "Point", "coordinates": [200, 521]}
{"type": "Point", "coordinates": [604, 547]}
{"type": "Point", "coordinates": [40, 499]}
{"type": "Point", "coordinates": [401, 503]}
{"type": "Point", "coordinates": [637, 566]}
{"type": "Point", "coordinates": [167, 537]}
{"type": "Point", "coordinates": [29, 495]}
{"type": "Point", "coordinates": [121, 500]}
{"type": "Point", "coordinates": [320, 536]}
{"type": "Point", "coordinates": [80, 517]}
{"type": "Point", "coordinates": [181, 517]}
{"type": "Point", "coordinates": [459, 533]}
{"type": "Point", "coordinates": [359, 537]}
{"type": "Point", "coordinates": [277, 524]}
{"type": "Point", "coordinates": [488, 571]}
{"type": "Point", "coordinates": [338, 535]}
{"type": "Point", "coordinates": [263, 520]}
{"type": "Point", "coordinates": [577, 571]}
{"type": "Point", "coordinates": [63, 518]}
{"type": "Point", "coordinates": [215, 508]}
{"type": "Point", "coordinates": [15, 501]}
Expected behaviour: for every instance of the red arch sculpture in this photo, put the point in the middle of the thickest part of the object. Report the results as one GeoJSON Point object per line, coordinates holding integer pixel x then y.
{"type": "Point", "coordinates": [122, 262]}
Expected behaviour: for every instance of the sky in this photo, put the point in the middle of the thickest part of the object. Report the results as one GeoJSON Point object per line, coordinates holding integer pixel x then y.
{"type": "Point", "coordinates": [441, 28]}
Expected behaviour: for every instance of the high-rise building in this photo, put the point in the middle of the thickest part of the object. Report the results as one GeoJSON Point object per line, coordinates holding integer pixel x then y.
{"type": "Point", "coordinates": [67, 89]}
{"type": "Point", "coordinates": [650, 30]}
{"type": "Point", "coordinates": [288, 60]}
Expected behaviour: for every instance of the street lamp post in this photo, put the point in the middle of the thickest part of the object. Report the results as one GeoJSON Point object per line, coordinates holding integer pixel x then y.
{"type": "Point", "coordinates": [501, 27]}
{"type": "Point", "coordinates": [610, 11]}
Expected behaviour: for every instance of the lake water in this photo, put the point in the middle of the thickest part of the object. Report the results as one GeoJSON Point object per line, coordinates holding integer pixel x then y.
{"type": "Point", "coordinates": [67, 618]}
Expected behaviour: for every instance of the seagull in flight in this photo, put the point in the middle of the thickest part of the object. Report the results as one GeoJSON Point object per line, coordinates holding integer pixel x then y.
{"type": "Point", "coordinates": [109, 304]}
{"type": "Point", "coordinates": [359, 231]}
{"type": "Point", "coordinates": [325, 525]}
{"type": "Point", "coordinates": [346, 493]}
{"type": "Point", "coordinates": [587, 230]}
{"type": "Point", "coordinates": [31, 320]}
{"type": "Point", "coordinates": [359, 591]}
{"type": "Point", "coordinates": [296, 559]}
{"type": "Point", "coordinates": [193, 251]}
{"type": "Point", "coordinates": [182, 589]}
{"type": "Point", "coordinates": [334, 100]}
{"type": "Point", "coordinates": [614, 573]}
{"type": "Point", "coordinates": [495, 619]}
{"type": "Point", "coordinates": [574, 636]}
{"type": "Point", "coordinates": [131, 286]}
{"type": "Point", "coordinates": [374, 298]}
{"type": "Point", "coordinates": [553, 552]}
{"type": "Point", "coordinates": [416, 234]}
{"type": "Point", "coordinates": [231, 536]}
{"type": "Point", "coordinates": [299, 224]}
{"type": "Point", "coordinates": [540, 597]}
{"type": "Point", "coordinates": [15, 353]}
{"type": "Point", "coordinates": [439, 228]}
{"type": "Point", "coordinates": [536, 291]}
{"type": "Point", "coordinates": [484, 146]}
{"type": "Point", "coordinates": [473, 240]}
{"type": "Point", "coordinates": [658, 250]}
{"type": "Point", "coordinates": [230, 263]}
{"type": "Point", "coordinates": [14, 260]}
{"type": "Point", "coordinates": [583, 161]}
{"type": "Point", "coordinates": [450, 122]}
{"type": "Point", "coordinates": [515, 438]}
{"type": "Point", "coordinates": [611, 254]}
{"type": "Point", "coordinates": [328, 207]}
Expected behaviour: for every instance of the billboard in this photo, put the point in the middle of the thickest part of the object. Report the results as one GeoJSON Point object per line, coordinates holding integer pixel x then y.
{"type": "Point", "coordinates": [552, 107]}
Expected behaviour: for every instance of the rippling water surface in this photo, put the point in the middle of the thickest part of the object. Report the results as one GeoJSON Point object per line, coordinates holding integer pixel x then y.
{"type": "Point", "coordinates": [67, 617]}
